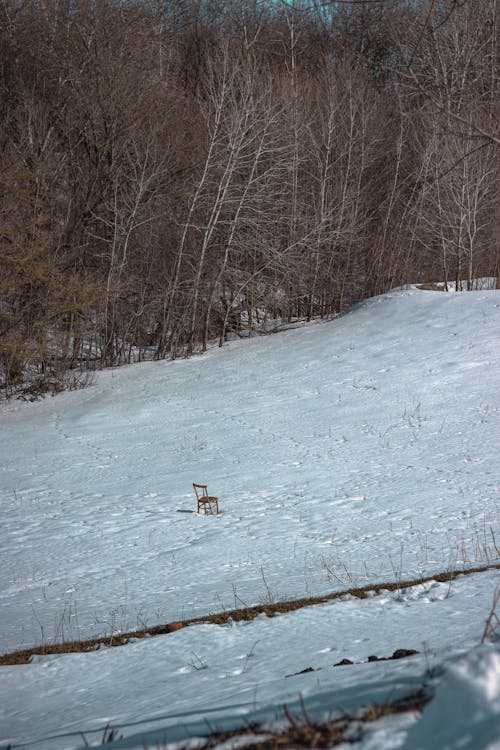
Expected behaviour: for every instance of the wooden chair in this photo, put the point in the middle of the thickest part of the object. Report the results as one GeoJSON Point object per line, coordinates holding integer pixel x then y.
{"type": "Point", "coordinates": [204, 500]}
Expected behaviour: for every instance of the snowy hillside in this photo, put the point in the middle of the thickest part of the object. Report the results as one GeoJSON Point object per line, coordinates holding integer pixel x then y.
{"type": "Point", "coordinates": [349, 452]}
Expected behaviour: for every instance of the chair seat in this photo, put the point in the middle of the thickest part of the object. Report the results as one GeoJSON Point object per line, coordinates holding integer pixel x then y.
{"type": "Point", "coordinates": [208, 501]}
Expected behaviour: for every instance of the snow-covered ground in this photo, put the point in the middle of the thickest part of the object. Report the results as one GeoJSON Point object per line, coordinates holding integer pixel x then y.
{"type": "Point", "coordinates": [348, 452]}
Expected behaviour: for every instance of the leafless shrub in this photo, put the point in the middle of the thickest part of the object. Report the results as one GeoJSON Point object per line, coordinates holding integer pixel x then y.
{"type": "Point", "coordinates": [492, 626]}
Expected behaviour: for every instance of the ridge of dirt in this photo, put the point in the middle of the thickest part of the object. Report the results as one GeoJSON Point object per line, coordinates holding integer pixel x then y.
{"type": "Point", "coordinates": [23, 656]}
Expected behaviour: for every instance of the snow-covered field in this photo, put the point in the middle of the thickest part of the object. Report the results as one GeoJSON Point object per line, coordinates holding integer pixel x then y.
{"type": "Point", "coordinates": [348, 452]}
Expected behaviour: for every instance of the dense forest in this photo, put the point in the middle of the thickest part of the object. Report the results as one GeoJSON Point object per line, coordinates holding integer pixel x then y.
{"type": "Point", "coordinates": [174, 171]}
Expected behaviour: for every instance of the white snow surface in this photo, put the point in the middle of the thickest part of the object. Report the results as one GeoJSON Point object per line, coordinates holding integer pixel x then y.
{"type": "Point", "coordinates": [349, 452]}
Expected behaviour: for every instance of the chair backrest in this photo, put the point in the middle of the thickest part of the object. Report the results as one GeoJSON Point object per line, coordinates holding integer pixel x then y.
{"type": "Point", "coordinates": [200, 490]}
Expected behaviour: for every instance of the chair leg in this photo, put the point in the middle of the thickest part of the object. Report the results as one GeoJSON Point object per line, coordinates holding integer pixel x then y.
{"type": "Point", "coordinates": [208, 507]}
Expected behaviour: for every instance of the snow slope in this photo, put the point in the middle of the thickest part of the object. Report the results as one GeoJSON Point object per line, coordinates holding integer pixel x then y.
{"type": "Point", "coordinates": [353, 451]}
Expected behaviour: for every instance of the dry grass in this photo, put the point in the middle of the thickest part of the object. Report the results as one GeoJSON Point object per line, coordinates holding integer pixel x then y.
{"type": "Point", "coordinates": [302, 732]}
{"type": "Point", "coordinates": [247, 613]}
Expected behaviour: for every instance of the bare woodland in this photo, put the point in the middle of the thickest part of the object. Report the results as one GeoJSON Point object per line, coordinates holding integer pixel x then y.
{"type": "Point", "coordinates": [174, 171]}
